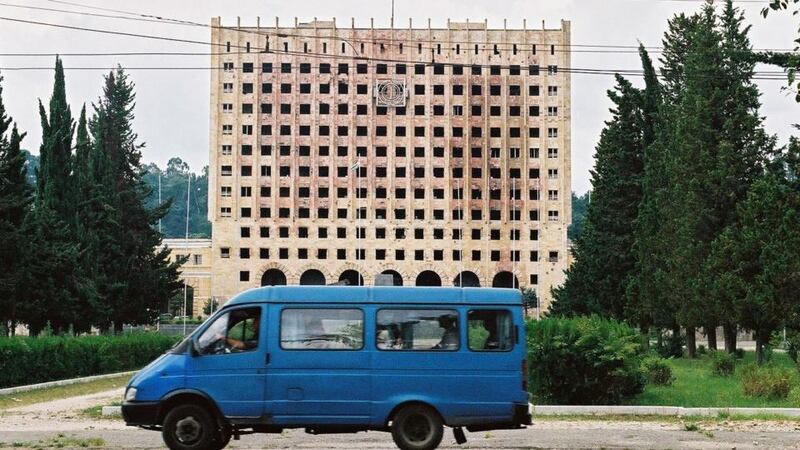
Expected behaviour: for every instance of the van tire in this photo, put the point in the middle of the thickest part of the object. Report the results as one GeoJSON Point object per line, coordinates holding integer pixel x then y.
{"type": "Point", "coordinates": [417, 427]}
{"type": "Point", "coordinates": [190, 427]}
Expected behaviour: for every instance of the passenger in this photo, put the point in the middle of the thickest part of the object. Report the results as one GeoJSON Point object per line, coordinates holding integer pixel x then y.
{"type": "Point", "coordinates": [449, 339]}
{"type": "Point", "coordinates": [382, 338]}
{"type": "Point", "coordinates": [492, 341]}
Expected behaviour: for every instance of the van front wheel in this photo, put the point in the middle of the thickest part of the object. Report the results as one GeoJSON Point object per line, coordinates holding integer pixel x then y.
{"type": "Point", "coordinates": [189, 427]}
{"type": "Point", "coordinates": [417, 427]}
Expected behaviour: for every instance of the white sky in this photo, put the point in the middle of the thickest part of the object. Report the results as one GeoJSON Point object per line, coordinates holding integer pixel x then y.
{"type": "Point", "coordinates": [172, 106]}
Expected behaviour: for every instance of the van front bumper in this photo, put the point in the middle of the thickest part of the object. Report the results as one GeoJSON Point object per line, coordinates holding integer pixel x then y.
{"type": "Point", "coordinates": [141, 413]}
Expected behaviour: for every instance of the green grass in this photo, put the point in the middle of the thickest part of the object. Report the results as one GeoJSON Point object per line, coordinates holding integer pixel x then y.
{"type": "Point", "coordinates": [652, 418]}
{"type": "Point", "coordinates": [58, 441]}
{"type": "Point", "coordinates": [54, 393]}
{"type": "Point", "coordinates": [696, 386]}
{"type": "Point", "coordinates": [96, 412]}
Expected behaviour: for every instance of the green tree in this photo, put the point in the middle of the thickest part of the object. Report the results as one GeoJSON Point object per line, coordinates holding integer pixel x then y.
{"type": "Point", "coordinates": [604, 259]}
{"type": "Point", "coordinates": [756, 260]}
{"type": "Point", "coordinates": [55, 286]}
{"type": "Point", "coordinates": [55, 155]}
{"type": "Point", "coordinates": [141, 278]}
{"type": "Point", "coordinates": [15, 200]}
{"type": "Point", "coordinates": [790, 61]}
{"type": "Point", "coordinates": [647, 303]}
{"type": "Point", "coordinates": [529, 300]}
{"type": "Point", "coordinates": [580, 204]}
{"type": "Point", "coordinates": [719, 148]}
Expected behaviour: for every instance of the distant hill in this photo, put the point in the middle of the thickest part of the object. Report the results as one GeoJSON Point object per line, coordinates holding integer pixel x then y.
{"type": "Point", "coordinates": [174, 182]}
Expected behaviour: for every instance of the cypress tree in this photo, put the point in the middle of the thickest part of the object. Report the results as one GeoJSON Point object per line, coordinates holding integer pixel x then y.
{"type": "Point", "coordinates": [646, 303]}
{"type": "Point", "coordinates": [54, 284]}
{"type": "Point", "coordinates": [717, 144]}
{"type": "Point", "coordinates": [134, 253]}
{"type": "Point", "coordinates": [604, 258]}
{"type": "Point", "coordinates": [55, 155]}
{"type": "Point", "coordinates": [15, 199]}
{"type": "Point", "coordinates": [756, 260]}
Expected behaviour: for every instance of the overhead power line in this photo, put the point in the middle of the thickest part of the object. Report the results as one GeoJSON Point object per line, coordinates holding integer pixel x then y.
{"type": "Point", "coordinates": [213, 44]}
{"type": "Point", "coordinates": [580, 71]}
{"type": "Point", "coordinates": [502, 45]}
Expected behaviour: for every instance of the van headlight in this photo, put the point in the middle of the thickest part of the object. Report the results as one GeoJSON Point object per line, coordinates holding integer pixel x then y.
{"type": "Point", "coordinates": [130, 394]}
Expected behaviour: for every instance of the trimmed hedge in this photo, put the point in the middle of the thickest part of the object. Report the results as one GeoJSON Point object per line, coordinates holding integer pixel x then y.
{"type": "Point", "coordinates": [27, 360]}
{"type": "Point", "coordinates": [584, 361]}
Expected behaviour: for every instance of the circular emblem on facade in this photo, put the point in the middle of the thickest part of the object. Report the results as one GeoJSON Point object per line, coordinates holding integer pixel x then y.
{"type": "Point", "coordinates": [390, 93]}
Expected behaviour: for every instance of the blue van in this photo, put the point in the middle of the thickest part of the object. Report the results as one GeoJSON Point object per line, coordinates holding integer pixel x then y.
{"type": "Point", "coordinates": [337, 359]}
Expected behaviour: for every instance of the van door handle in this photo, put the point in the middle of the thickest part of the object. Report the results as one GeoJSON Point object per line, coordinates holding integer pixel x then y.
{"type": "Point", "coordinates": [266, 359]}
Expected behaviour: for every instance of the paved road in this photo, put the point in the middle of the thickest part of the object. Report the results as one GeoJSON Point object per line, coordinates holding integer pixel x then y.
{"type": "Point", "coordinates": [35, 425]}
{"type": "Point", "coordinates": [549, 434]}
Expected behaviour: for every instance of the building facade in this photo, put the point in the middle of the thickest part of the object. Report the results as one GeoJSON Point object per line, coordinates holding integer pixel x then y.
{"type": "Point", "coordinates": [196, 271]}
{"type": "Point", "coordinates": [435, 156]}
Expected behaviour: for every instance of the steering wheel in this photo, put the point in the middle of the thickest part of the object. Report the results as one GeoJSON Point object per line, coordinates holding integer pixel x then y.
{"type": "Point", "coordinates": [217, 346]}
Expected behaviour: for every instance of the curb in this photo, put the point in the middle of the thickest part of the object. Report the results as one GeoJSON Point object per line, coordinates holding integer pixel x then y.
{"type": "Point", "coordinates": [111, 411]}
{"type": "Point", "coordinates": [33, 387]}
{"type": "Point", "coordinates": [675, 411]}
{"type": "Point", "coordinates": [562, 410]}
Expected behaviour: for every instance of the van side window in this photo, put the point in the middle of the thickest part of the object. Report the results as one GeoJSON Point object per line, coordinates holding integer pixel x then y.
{"type": "Point", "coordinates": [490, 330]}
{"type": "Point", "coordinates": [233, 332]}
{"type": "Point", "coordinates": [417, 329]}
{"type": "Point", "coordinates": [322, 329]}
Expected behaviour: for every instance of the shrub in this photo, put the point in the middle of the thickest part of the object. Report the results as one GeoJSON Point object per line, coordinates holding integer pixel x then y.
{"type": "Point", "coordinates": [794, 396]}
{"type": "Point", "coordinates": [723, 363]}
{"type": "Point", "coordinates": [739, 353]}
{"type": "Point", "coordinates": [767, 382]}
{"type": "Point", "coordinates": [658, 371]}
{"type": "Point", "coordinates": [28, 360]}
{"type": "Point", "coordinates": [585, 360]}
{"type": "Point", "coordinates": [670, 346]}
{"type": "Point", "coordinates": [701, 350]}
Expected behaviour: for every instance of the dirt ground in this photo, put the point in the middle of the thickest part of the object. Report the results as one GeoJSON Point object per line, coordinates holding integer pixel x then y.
{"type": "Point", "coordinates": [61, 423]}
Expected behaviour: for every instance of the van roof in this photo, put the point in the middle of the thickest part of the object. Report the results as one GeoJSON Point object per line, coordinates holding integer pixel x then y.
{"type": "Point", "coordinates": [378, 294]}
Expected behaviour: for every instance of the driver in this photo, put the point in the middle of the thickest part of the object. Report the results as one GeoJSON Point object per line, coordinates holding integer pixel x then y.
{"type": "Point", "coordinates": [250, 341]}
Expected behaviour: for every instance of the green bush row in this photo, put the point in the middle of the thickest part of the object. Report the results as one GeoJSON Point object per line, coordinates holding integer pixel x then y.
{"type": "Point", "coordinates": [26, 360]}
{"type": "Point", "coordinates": [585, 360]}
{"type": "Point", "coordinates": [768, 382]}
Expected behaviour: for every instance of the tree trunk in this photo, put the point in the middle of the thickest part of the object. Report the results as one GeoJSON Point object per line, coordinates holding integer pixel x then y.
{"type": "Point", "coordinates": [711, 334]}
{"type": "Point", "coordinates": [729, 334]}
{"type": "Point", "coordinates": [691, 342]}
{"type": "Point", "coordinates": [646, 332]}
{"type": "Point", "coordinates": [759, 350]}
{"type": "Point", "coordinates": [117, 328]}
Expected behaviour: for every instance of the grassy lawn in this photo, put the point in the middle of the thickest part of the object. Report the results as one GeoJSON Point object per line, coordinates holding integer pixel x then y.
{"type": "Point", "coordinates": [58, 441]}
{"type": "Point", "coordinates": [96, 412]}
{"type": "Point", "coordinates": [696, 386]}
{"type": "Point", "coordinates": [54, 393]}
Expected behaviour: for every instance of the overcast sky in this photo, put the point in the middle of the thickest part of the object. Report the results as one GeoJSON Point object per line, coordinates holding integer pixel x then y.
{"type": "Point", "coordinates": [172, 106]}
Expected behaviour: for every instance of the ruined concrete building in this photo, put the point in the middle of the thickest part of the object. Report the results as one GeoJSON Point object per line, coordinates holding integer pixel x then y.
{"type": "Point", "coordinates": [436, 156]}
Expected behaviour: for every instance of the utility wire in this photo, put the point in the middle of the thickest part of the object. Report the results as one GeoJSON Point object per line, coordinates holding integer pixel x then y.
{"type": "Point", "coordinates": [275, 51]}
{"type": "Point", "coordinates": [578, 71]}
{"type": "Point", "coordinates": [371, 41]}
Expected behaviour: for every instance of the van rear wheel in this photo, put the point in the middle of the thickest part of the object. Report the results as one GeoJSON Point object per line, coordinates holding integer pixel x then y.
{"type": "Point", "coordinates": [190, 427]}
{"type": "Point", "coordinates": [417, 427]}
